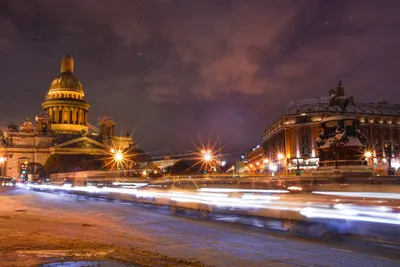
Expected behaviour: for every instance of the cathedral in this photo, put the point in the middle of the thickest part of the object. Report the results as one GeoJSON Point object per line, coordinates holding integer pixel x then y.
{"type": "Point", "coordinates": [62, 128]}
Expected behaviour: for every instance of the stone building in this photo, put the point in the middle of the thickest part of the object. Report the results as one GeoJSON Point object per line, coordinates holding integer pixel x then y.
{"type": "Point", "coordinates": [294, 134]}
{"type": "Point", "coordinates": [62, 128]}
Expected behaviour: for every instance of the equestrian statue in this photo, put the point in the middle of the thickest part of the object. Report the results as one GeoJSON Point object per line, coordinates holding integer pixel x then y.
{"type": "Point", "coordinates": [337, 98]}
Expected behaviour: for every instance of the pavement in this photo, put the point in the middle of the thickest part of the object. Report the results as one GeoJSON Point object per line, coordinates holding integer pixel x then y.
{"type": "Point", "coordinates": [42, 227]}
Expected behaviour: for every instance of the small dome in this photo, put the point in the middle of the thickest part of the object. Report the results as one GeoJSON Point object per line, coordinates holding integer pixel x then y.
{"type": "Point", "coordinates": [66, 81]}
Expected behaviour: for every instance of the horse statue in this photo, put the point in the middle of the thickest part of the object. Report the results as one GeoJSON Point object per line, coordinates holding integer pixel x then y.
{"type": "Point", "coordinates": [337, 98]}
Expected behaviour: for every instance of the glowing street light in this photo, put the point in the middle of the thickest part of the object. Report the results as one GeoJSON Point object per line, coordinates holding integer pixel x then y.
{"type": "Point", "coordinates": [118, 156]}
{"type": "Point", "coordinates": [207, 155]}
{"type": "Point", "coordinates": [280, 157]}
{"type": "Point", "coordinates": [368, 154]}
{"type": "Point", "coordinates": [266, 161]}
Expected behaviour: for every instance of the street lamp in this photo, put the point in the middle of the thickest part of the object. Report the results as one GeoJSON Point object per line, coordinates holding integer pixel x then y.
{"type": "Point", "coordinates": [298, 167]}
{"type": "Point", "coordinates": [368, 155]}
{"type": "Point", "coordinates": [2, 161]}
{"type": "Point", "coordinates": [280, 157]}
{"type": "Point", "coordinates": [118, 156]}
{"type": "Point", "coordinates": [207, 157]}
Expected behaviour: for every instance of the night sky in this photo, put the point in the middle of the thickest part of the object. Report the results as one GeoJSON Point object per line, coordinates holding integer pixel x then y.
{"type": "Point", "coordinates": [179, 71]}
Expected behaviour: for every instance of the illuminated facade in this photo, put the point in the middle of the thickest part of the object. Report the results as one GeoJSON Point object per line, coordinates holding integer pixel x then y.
{"type": "Point", "coordinates": [62, 128]}
{"type": "Point", "coordinates": [294, 134]}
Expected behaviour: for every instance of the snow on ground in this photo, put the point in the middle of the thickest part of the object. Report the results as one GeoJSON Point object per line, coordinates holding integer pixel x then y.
{"type": "Point", "coordinates": [38, 227]}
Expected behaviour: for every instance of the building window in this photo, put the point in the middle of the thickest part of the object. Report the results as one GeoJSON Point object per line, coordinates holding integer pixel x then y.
{"type": "Point", "coordinates": [303, 119]}
{"type": "Point", "coordinates": [305, 141]}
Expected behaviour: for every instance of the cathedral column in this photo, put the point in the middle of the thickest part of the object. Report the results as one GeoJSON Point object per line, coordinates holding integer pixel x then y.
{"type": "Point", "coordinates": [60, 115]}
{"type": "Point", "coordinates": [80, 116]}
{"type": "Point", "coordinates": [65, 115]}
{"type": "Point", "coordinates": [55, 117]}
{"type": "Point", "coordinates": [74, 117]}
{"type": "Point", "coordinates": [86, 118]}
{"type": "Point", "coordinates": [50, 111]}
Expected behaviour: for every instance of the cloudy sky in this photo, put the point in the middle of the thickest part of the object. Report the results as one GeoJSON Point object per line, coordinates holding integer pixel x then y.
{"type": "Point", "coordinates": [179, 71]}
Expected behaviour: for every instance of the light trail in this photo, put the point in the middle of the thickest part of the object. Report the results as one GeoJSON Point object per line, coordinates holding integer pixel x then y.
{"type": "Point", "coordinates": [256, 202]}
{"type": "Point", "coordinates": [360, 194]}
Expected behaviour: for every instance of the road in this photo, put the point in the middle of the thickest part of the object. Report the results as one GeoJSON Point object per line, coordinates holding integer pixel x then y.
{"type": "Point", "coordinates": [38, 226]}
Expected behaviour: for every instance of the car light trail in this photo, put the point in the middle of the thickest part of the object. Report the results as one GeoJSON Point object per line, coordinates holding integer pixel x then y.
{"type": "Point", "coordinates": [360, 194]}
{"type": "Point", "coordinates": [256, 202]}
{"type": "Point", "coordinates": [232, 190]}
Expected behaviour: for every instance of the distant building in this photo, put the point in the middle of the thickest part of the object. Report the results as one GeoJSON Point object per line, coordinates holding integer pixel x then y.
{"type": "Point", "coordinates": [62, 128]}
{"type": "Point", "coordinates": [294, 134]}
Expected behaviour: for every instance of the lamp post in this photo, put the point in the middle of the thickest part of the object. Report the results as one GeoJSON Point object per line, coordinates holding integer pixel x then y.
{"type": "Point", "coordinates": [388, 151]}
{"type": "Point", "coordinates": [280, 157]}
{"type": "Point", "coordinates": [118, 157]}
{"type": "Point", "coordinates": [207, 157]}
{"type": "Point", "coordinates": [2, 163]}
{"type": "Point", "coordinates": [368, 155]}
{"type": "Point", "coordinates": [266, 164]}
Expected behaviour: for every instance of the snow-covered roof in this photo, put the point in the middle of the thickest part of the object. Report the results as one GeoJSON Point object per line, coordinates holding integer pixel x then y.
{"type": "Point", "coordinates": [337, 118]}
{"type": "Point", "coordinates": [352, 142]}
{"type": "Point", "coordinates": [318, 105]}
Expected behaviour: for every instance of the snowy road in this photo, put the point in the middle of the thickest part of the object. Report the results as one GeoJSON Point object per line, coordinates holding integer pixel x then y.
{"type": "Point", "coordinates": [32, 221]}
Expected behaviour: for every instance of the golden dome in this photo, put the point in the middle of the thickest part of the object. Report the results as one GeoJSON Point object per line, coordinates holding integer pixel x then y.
{"type": "Point", "coordinates": [66, 81]}
{"type": "Point", "coordinates": [65, 101]}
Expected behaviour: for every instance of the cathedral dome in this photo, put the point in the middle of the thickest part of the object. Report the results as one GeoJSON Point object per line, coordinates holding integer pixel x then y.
{"type": "Point", "coordinates": [65, 101]}
{"type": "Point", "coordinates": [66, 81]}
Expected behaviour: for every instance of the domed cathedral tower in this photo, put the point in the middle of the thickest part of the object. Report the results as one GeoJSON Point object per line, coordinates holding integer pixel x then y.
{"type": "Point", "coordinates": [65, 101]}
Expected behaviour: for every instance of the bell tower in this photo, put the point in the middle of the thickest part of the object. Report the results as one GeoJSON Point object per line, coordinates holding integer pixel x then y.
{"type": "Point", "coordinates": [43, 123]}
{"type": "Point", "coordinates": [107, 126]}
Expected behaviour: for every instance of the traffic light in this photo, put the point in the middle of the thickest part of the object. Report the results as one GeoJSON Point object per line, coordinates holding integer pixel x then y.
{"type": "Point", "coordinates": [23, 174]}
